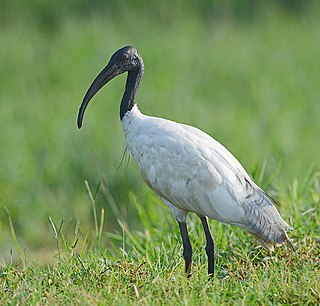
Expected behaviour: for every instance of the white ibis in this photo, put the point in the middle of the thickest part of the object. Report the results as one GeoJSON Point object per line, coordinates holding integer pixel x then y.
{"type": "Point", "coordinates": [188, 169]}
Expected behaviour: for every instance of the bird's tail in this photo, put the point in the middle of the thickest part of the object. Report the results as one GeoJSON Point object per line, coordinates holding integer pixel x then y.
{"type": "Point", "coordinates": [265, 224]}
{"type": "Point", "coordinates": [269, 244]}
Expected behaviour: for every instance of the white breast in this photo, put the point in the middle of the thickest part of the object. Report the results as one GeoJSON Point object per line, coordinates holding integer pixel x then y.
{"type": "Point", "coordinates": [185, 166]}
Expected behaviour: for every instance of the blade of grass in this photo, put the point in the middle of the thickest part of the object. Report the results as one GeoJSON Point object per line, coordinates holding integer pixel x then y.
{"type": "Point", "coordinates": [93, 202]}
{"type": "Point", "coordinates": [13, 233]}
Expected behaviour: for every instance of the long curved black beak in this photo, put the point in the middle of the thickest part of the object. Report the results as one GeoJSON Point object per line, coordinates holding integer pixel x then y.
{"type": "Point", "coordinates": [107, 74]}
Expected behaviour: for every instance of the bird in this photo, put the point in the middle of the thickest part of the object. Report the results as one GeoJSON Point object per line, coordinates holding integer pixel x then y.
{"type": "Point", "coordinates": [189, 170]}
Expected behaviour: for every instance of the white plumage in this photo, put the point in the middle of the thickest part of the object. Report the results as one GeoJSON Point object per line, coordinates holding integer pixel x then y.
{"type": "Point", "coordinates": [188, 169]}
{"type": "Point", "coordinates": [192, 172]}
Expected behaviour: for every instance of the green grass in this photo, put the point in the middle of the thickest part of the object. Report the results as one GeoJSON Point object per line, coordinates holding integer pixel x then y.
{"type": "Point", "coordinates": [252, 84]}
{"type": "Point", "coordinates": [146, 267]}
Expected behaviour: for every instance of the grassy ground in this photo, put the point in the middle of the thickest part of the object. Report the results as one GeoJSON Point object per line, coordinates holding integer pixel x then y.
{"type": "Point", "coordinates": [253, 85]}
{"type": "Point", "coordinates": [146, 267]}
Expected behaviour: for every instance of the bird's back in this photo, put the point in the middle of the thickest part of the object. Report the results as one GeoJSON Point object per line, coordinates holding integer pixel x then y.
{"type": "Point", "coordinates": [194, 172]}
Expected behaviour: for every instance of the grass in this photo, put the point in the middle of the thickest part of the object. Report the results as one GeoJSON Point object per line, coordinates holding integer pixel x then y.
{"type": "Point", "coordinates": [253, 85]}
{"type": "Point", "coordinates": [146, 267]}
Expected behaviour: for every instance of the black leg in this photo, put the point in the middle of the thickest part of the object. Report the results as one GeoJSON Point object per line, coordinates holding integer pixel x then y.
{"type": "Point", "coordinates": [209, 246]}
{"type": "Point", "coordinates": [187, 248]}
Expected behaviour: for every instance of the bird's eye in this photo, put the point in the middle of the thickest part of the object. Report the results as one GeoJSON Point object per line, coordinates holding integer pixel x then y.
{"type": "Point", "coordinates": [125, 56]}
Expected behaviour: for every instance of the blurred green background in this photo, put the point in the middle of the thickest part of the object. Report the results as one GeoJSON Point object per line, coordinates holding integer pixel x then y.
{"type": "Point", "coordinates": [246, 72]}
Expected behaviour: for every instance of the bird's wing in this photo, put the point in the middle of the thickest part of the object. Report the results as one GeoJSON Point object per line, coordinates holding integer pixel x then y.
{"type": "Point", "coordinates": [196, 173]}
{"type": "Point", "coordinates": [261, 218]}
{"type": "Point", "coordinates": [187, 167]}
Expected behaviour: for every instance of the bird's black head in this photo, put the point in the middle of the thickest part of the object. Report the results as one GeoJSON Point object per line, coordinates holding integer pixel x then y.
{"type": "Point", "coordinates": [125, 59]}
